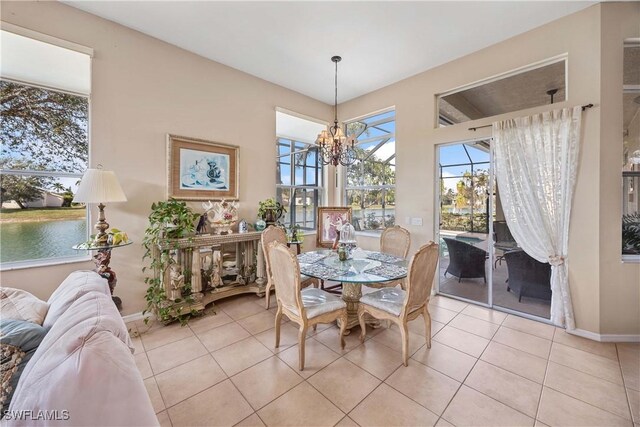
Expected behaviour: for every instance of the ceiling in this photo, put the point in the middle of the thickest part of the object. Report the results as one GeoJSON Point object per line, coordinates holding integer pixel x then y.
{"type": "Point", "coordinates": [291, 43]}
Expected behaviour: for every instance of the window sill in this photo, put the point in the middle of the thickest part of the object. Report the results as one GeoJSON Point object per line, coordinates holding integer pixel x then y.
{"type": "Point", "coordinates": [631, 259]}
{"type": "Point", "coordinates": [375, 234]}
{"type": "Point", "coordinates": [21, 265]}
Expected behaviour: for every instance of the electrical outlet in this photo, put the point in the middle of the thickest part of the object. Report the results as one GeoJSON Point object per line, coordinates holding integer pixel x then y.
{"type": "Point", "coordinates": [416, 221]}
{"type": "Point", "coordinates": [407, 220]}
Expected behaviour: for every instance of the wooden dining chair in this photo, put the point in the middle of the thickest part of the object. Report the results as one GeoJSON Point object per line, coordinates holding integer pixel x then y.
{"type": "Point", "coordinates": [306, 307]}
{"type": "Point", "coordinates": [394, 241]}
{"type": "Point", "coordinates": [277, 234]}
{"type": "Point", "coordinates": [400, 306]}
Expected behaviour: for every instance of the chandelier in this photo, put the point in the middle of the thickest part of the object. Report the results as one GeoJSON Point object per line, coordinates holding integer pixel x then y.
{"type": "Point", "coordinates": [333, 145]}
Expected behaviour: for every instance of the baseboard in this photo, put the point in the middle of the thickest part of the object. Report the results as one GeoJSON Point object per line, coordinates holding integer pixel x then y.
{"type": "Point", "coordinates": [135, 317]}
{"type": "Point", "coordinates": [605, 337]}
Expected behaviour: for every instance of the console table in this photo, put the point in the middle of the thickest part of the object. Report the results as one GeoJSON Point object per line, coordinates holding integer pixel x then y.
{"type": "Point", "coordinates": [213, 266]}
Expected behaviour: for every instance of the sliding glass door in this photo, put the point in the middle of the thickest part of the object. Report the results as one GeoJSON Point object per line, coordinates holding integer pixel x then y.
{"type": "Point", "coordinates": [464, 209]}
{"type": "Point", "coordinates": [480, 261]}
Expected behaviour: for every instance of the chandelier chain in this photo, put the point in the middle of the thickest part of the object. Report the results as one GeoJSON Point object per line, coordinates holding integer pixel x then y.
{"type": "Point", "coordinates": [334, 147]}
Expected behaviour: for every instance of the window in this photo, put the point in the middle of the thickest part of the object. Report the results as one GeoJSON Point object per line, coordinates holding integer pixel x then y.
{"type": "Point", "coordinates": [298, 175]}
{"type": "Point", "coordinates": [631, 151]}
{"type": "Point", "coordinates": [370, 182]}
{"type": "Point", "coordinates": [44, 138]}
{"type": "Point", "coordinates": [535, 85]}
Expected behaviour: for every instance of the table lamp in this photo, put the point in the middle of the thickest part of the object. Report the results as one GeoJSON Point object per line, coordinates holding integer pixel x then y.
{"type": "Point", "coordinates": [100, 186]}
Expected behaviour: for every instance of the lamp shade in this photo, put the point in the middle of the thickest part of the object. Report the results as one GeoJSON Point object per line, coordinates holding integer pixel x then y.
{"type": "Point", "coordinates": [99, 186]}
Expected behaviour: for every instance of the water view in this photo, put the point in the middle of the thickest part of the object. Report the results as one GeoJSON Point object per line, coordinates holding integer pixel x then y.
{"type": "Point", "coordinates": [21, 241]}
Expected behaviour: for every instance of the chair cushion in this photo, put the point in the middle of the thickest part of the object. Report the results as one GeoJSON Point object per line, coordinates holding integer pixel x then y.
{"type": "Point", "coordinates": [21, 305]}
{"type": "Point", "coordinates": [317, 302]}
{"type": "Point", "coordinates": [390, 300]}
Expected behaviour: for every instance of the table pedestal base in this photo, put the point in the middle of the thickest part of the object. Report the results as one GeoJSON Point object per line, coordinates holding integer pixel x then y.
{"type": "Point", "coordinates": [351, 294]}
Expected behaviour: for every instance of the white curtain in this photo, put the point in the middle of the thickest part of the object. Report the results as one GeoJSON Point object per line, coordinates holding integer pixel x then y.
{"type": "Point", "coordinates": [536, 161]}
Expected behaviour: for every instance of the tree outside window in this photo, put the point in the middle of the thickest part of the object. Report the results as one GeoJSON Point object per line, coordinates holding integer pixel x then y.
{"type": "Point", "coordinates": [43, 156]}
{"type": "Point", "coordinates": [370, 181]}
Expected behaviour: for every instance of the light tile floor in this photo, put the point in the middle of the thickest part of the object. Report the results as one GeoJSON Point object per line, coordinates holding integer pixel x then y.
{"type": "Point", "coordinates": [484, 368]}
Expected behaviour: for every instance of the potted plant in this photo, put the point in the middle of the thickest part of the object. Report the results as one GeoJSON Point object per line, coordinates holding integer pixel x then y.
{"type": "Point", "coordinates": [168, 220]}
{"type": "Point", "coordinates": [270, 211]}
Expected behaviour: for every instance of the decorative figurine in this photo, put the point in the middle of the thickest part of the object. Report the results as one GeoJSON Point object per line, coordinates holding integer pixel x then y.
{"type": "Point", "coordinates": [177, 282]}
{"type": "Point", "coordinates": [216, 267]}
{"type": "Point", "coordinates": [222, 215]}
{"type": "Point", "coordinates": [202, 224]}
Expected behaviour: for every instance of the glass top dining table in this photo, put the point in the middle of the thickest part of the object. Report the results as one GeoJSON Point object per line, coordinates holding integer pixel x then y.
{"type": "Point", "coordinates": [363, 267]}
{"type": "Point", "coordinates": [368, 268]}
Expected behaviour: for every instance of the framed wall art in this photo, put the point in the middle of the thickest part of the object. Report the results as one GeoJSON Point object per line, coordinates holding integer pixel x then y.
{"type": "Point", "coordinates": [201, 170]}
{"type": "Point", "coordinates": [330, 220]}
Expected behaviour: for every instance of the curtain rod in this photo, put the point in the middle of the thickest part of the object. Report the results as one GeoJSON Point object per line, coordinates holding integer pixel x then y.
{"type": "Point", "coordinates": [584, 107]}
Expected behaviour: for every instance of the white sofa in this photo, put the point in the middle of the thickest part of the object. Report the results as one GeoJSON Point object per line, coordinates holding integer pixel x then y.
{"type": "Point", "coordinates": [83, 373]}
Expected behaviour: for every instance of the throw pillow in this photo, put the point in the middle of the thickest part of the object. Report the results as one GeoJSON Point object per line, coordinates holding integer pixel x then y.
{"type": "Point", "coordinates": [19, 340]}
{"type": "Point", "coordinates": [17, 304]}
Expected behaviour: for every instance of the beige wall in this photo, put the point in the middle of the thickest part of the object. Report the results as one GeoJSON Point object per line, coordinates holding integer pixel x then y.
{"type": "Point", "coordinates": [143, 89]}
{"type": "Point", "coordinates": [598, 280]}
{"type": "Point", "coordinates": [619, 282]}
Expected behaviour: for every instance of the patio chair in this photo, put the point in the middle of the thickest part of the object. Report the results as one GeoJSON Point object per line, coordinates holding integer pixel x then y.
{"type": "Point", "coordinates": [306, 307]}
{"type": "Point", "coordinates": [277, 234]}
{"type": "Point", "coordinates": [393, 241]}
{"type": "Point", "coordinates": [401, 306]}
{"type": "Point", "coordinates": [503, 239]}
{"type": "Point", "coordinates": [465, 261]}
{"type": "Point", "coordinates": [527, 276]}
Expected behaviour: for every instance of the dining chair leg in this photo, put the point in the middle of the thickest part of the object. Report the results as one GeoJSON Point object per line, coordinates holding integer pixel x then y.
{"type": "Point", "coordinates": [343, 328]}
{"type": "Point", "coordinates": [267, 294]}
{"type": "Point", "coordinates": [363, 326]}
{"type": "Point", "coordinates": [278, 321]}
{"type": "Point", "coordinates": [427, 326]}
{"type": "Point", "coordinates": [302, 335]}
{"type": "Point", "coordinates": [404, 333]}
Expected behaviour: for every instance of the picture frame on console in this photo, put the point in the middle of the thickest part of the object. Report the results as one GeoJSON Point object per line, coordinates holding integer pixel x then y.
{"type": "Point", "coordinates": [198, 169]}
{"type": "Point", "coordinates": [330, 220]}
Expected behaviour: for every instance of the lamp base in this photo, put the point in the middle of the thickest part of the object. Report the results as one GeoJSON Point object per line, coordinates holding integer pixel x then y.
{"type": "Point", "coordinates": [101, 238]}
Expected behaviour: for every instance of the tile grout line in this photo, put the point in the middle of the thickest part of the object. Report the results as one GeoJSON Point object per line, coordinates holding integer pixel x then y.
{"type": "Point", "coordinates": [465, 378]}
{"type": "Point", "coordinates": [624, 385]}
{"type": "Point", "coordinates": [388, 376]}
{"type": "Point", "coordinates": [544, 385]}
{"type": "Point", "coordinates": [544, 377]}
{"type": "Point", "coordinates": [213, 385]}
{"type": "Point", "coordinates": [478, 391]}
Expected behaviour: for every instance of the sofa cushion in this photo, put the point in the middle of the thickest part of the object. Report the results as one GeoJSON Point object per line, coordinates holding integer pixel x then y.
{"type": "Point", "coordinates": [71, 289]}
{"type": "Point", "coordinates": [21, 305]}
{"type": "Point", "coordinates": [90, 380]}
{"type": "Point", "coordinates": [19, 340]}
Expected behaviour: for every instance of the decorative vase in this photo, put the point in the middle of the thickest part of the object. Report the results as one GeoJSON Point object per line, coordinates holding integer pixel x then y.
{"type": "Point", "coordinates": [272, 215]}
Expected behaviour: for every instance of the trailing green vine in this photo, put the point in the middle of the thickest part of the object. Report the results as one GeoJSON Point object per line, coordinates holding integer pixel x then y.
{"type": "Point", "coordinates": [170, 219]}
